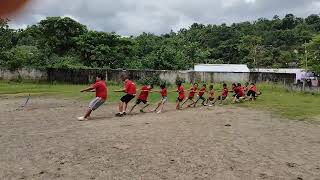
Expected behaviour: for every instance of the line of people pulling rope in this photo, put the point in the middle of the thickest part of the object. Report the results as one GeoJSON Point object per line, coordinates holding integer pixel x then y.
{"type": "Point", "coordinates": [196, 94]}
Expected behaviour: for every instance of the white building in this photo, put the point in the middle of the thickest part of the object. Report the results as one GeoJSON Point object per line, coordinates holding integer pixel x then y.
{"type": "Point", "coordinates": [236, 68]}
{"type": "Point", "coordinates": [301, 74]}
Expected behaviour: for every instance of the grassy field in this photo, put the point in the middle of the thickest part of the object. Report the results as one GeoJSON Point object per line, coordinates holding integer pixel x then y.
{"type": "Point", "coordinates": [275, 98]}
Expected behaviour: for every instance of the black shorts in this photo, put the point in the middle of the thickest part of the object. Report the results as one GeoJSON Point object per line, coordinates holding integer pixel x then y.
{"type": "Point", "coordinates": [140, 100]}
{"type": "Point", "coordinates": [127, 98]}
{"type": "Point", "coordinates": [211, 98]}
{"type": "Point", "coordinates": [251, 93]}
{"type": "Point", "coordinates": [221, 98]}
{"type": "Point", "coordinates": [180, 99]}
{"type": "Point", "coordinates": [190, 98]}
{"type": "Point", "coordinates": [238, 96]}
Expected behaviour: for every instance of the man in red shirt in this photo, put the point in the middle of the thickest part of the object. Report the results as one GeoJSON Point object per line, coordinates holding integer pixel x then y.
{"type": "Point", "coordinates": [193, 90]}
{"type": "Point", "coordinates": [143, 97]}
{"type": "Point", "coordinates": [252, 93]}
{"type": "Point", "coordinates": [224, 94]}
{"type": "Point", "coordinates": [181, 96]}
{"type": "Point", "coordinates": [100, 88]}
{"type": "Point", "coordinates": [200, 95]}
{"type": "Point", "coordinates": [130, 90]}
{"type": "Point", "coordinates": [239, 93]}
{"type": "Point", "coordinates": [164, 98]}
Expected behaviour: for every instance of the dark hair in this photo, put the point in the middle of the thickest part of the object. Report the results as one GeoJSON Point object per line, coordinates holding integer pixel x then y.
{"type": "Point", "coordinates": [101, 76]}
{"type": "Point", "coordinates": [239, 84]}
{"type": "Point", "coordinates": [204, 85]}
{"type": "Point", "coordinates": [234, 84]}
{"type": "Point", "coordinates": [124, 76]}
{"type": "Point", "coordinates": [162, 86]}
{"type": "Point", "coordinates": [179, 83]}
{"type": "Point", "coordinates": [151, 85]}
{"type": "Point", "coordinates": [224, 85]}
{"type": "Point", "coordinates": [211, 87]}
{"type": "Point", "coordinates": [252, 84]}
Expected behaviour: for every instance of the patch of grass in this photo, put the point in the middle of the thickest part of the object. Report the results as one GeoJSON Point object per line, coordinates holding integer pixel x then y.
{"type": "Point", "coordinates": [293, 105]}
{"type": "Point", "coordinates": [275, 97]}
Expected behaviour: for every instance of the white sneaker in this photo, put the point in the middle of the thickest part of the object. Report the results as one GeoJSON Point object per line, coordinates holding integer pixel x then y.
{"type": "Point", "coordinates": [159, 112]}
{"type": "Point", "coordinates": [210, 105]}
{"type": "Point", "coordinates": [82, 119]}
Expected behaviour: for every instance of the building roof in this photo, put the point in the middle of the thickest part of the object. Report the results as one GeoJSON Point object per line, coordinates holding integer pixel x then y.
{"type": "Point", "coordinates": [221, 68]}
{"type": "Point", "coordinates": [280, 70]}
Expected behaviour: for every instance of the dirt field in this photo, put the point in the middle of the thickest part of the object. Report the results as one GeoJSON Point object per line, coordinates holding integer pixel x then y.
{"type": "Point", "coordinates": [45, 141]}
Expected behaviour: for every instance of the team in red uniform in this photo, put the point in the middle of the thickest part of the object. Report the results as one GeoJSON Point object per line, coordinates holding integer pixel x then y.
{"type": "Point", "coordinates": [100, 88]}
{"type": "Point", "coordinates": [143, 97]}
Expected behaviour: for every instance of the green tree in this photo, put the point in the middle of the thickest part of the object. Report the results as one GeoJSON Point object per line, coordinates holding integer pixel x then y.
{"type": "Point", "coordinates": [314, 56]}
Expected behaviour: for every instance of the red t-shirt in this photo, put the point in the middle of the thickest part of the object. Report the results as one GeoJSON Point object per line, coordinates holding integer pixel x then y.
{"type": "Point", "coordinates": [225, 92]}
{"type": "Point", "coordinates": [211, 93]}
{"type": "Point", "coordinates": [192, 92]}
{"type": "Point", "coordinates": [163, 92]}
{"type": "Point", "coordinates": [253, 88]}
{"type": "Point", "coordinates": [144, 93]}
{"type": "Point", "coordinates": [181, 92]}
{"type": "Point", "coordinates": [130, 87]}
{"type": "Point", "coordinates": [240, 91]}
{"type": "Point", "coordinates": [101, 89]}
{"type": "Point", "coordinates": [202, 91]}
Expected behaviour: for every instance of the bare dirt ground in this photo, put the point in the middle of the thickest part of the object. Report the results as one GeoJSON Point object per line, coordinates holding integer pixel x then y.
{"type": "Point", "coordinates": [45, 141]}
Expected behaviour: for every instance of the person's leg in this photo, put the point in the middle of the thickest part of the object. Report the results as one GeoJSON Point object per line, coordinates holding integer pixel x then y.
{"type": "Point", "coordinates": [195, 103]}
{"type": "Point", "coordinates": [185, 101]}
{"type": "Point", "coordinates": [178, 104]}
{"type": "Point", "coordinates": [192, 102]}
{"type": "Point", "coordinates": [162, 105]}
{"type": "Point", "coordinates": [203, 100]}
{"type": "Point", "coordinates": [132, 108]}
{"type": "Point", "coordinates": [94, 104]}
{"type": "Point", "coordinates": [126, 102]}
{"type": "Point", "coordinates": [125, 107]}
{"type": "Point", "coordinates": [146, 105]}
{"type": "Point", "coordinates": [254, 95]}
{"type": "Point", "coordinates": [88, 113]}
{"type": "Point", "coordinates": [158, 105]}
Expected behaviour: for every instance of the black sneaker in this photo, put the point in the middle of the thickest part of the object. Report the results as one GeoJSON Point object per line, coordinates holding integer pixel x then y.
{"type": "Point", "coordinates": [119, 115]}
{"type": "Point", "coordinates": [124, 113]}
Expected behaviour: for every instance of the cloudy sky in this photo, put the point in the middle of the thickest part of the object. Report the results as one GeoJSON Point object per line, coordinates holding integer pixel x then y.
{"type": "Point", "coordinates": [131, 17]}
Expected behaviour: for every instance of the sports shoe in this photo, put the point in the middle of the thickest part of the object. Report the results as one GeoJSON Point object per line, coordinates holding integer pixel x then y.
{"type": "Point", "coordinates": [82, 119]}
{"type": "Point", "coordinates": [119, 114]}
{"type": "Point", "coordinates": [159, 112]}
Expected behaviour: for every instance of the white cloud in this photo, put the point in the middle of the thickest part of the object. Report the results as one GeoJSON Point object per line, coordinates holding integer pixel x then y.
{"type": "Point", "coordinates": [129, 17]}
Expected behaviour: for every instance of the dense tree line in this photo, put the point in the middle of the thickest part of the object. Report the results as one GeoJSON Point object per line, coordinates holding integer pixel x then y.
{"type": "Point", "coordinates": [64, 43]}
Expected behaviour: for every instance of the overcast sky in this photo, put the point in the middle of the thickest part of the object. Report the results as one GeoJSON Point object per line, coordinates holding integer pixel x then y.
{"type": "Point", "coordinates": [131, 17]}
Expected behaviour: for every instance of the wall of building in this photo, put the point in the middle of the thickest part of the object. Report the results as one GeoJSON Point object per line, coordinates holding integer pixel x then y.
{"type": "Point", "coordinates": [28, 74]}
{"type": "Point", "coordinates": [85, 76]}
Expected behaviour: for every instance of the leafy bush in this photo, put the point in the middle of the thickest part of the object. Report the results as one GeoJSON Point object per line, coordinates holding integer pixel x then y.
{"type": "Point", "coordinates": [154, 80]}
